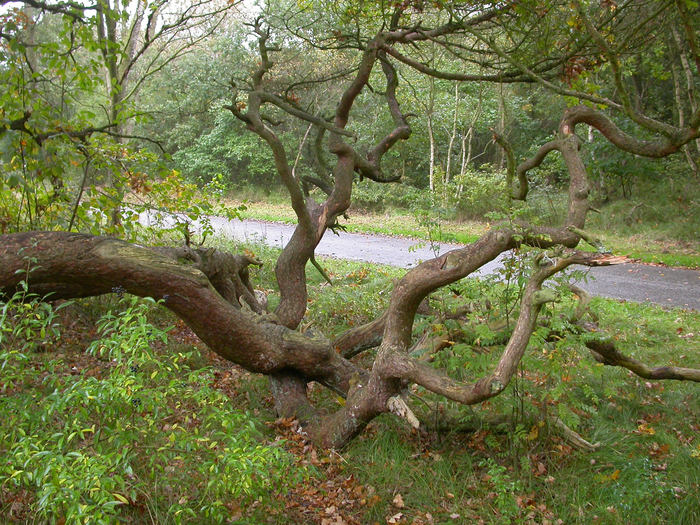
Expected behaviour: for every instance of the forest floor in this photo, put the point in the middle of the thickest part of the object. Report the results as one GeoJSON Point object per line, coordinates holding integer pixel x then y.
{"type": "Point", "coordinates": [522, 470]}
{"type": "Point", "coordinates": [645, 469]}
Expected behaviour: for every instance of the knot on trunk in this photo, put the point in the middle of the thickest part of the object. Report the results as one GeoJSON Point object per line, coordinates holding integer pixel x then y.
{"type": "Point", "coordinates": [228, 273]}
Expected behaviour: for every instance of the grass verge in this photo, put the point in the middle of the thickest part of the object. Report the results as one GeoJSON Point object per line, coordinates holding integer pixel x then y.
{"type": "Point", "coordinates": [647, 247]}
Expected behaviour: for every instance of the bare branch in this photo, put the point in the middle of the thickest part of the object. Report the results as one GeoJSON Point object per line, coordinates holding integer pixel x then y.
{"type": "Point", "coordinates": [506, 77]}
{"type": "Point", "coordinates": [402, 130]}
{"type": "Point", "coordinates": [534, 297]}
{"type": "Point", "coordinates": [512, 169]}
{"type": "Point", "coordinates": [73, 10]}
{"type": "Point", "coordinates": [22, 124]}
{"type": "Point", "coordinates": [301, 114]}
{"type": "Point", "coordinates": [653, 149]}
{"type": "Point", "coordinates": [605, 352]}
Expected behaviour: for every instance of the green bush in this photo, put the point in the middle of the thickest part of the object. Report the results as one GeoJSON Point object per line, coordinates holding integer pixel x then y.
{"type": "Point", "coordinates": [151, 436]}
{"type": "Point", "coordinates": [478, 193]}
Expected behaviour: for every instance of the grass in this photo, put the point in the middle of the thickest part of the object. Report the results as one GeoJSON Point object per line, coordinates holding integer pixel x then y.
{"type": "Point", "coordinates": [392, 223]}
{"type": "Point", "coordinates": [652, 245]}
{"type": "Point", "coordinates": [645, 471]}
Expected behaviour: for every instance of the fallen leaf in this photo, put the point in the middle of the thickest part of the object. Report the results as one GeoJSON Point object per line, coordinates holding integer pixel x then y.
{"type": "Point", "coordinates": [644, 428]}
{"type": "Point", "coordinates": [398, 501]}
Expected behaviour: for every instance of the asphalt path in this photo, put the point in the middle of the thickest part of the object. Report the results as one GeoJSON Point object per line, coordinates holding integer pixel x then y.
{"type": "Point", "coordinates": [669, 287]}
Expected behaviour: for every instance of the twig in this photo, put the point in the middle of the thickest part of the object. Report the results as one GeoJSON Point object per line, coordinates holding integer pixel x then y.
{"type": "Point", "coordinates": [572, 437]}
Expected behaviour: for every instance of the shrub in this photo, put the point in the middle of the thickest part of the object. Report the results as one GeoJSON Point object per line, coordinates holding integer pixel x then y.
{"type": "Point", "coordinates": [151, 434]}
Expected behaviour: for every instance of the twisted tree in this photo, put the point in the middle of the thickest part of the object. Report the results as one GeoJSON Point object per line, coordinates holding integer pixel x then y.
{"type": "Point", "coordinates": [213, 295]}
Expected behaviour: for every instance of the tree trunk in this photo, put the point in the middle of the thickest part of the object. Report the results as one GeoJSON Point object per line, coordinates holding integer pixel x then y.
{"type": "Point", "coordinates": [431, 136]}
{"type": "Point", "coordinates": [503, 117]}
{"type": "Point", "coordinates": [686, 99]}
{"type": "Point", "coordinates": [453, 136]}
{"type": "Point", "coordinates": [69, 265]}
{"type": "Point", "coordinates": [468, 137]}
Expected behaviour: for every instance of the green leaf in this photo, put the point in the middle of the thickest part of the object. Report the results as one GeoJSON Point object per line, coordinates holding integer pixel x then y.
{"type": "Point", "coordinates": [13, 180]}
{"type": "Point", "coordinates": [120, 498]}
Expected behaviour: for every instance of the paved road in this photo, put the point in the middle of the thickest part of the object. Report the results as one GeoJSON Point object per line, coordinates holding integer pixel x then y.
{"type": "Point", "coordinates": [668, 287]}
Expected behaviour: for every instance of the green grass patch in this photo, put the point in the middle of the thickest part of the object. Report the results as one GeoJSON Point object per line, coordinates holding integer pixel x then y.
{"type": "Point", "coordinates": [652, 245]}
{"type": "Point", "coordinates": [147, 424]}
{"type": "Point", "coordinates": [395, 223]}
{"type": "Point", "coordinates": [645, 470]}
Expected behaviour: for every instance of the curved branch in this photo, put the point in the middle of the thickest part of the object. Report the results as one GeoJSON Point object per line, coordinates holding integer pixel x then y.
{"type": "Point", "coordinates": [401, 131]}
{"type": "Point", "coordinates": [538, 158]}
{"type": "Point", "coordinates": [654, 149]}
{"type": "Point", "coordinates": [290, 269]}
{"type": "Point", "coordinates": [505, 77]}
{"type": "Point", "coordinates": [67, 262]}
{"type": "Point", "coordinates": [320, 184]}
{"type": "Point", "coordinates": [342, 113]}
{"type": "Point", "coordinates": [475, 17]}
{"type": "Point", "coordinates": [513, 170]}
{"type": "Point", "coordinates": [606, 353]}
{"type": "Point", "coordinates": [73, 10]}
{"type": "Point", "coordinates": [401, 365]}
{"type": "Point", "coordinates": [361, 338]}
{"type": "Point", "coordinates": [301, 114]}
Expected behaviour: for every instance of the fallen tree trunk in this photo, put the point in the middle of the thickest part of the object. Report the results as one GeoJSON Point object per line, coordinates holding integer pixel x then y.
{"type": "Point", "coordinates": [66, 265]}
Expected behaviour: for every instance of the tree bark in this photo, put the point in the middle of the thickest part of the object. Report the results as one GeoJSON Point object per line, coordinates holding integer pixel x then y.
{"type": "Point", "coordinates": [68, 265]}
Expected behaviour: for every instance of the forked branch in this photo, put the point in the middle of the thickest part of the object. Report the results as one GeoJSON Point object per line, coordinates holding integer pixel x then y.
{"type": "Point", "coordinates": [534, 297]}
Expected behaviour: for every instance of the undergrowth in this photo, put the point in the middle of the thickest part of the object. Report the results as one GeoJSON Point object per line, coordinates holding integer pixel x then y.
{"type": "Point", "coordinates": [133, 431]}
{"type": "Point", "coordinates": [148, 428]}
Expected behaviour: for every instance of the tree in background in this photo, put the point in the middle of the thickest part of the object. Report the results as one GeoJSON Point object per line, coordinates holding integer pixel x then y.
{"type": "Point", "coordinates": [73, 74]}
